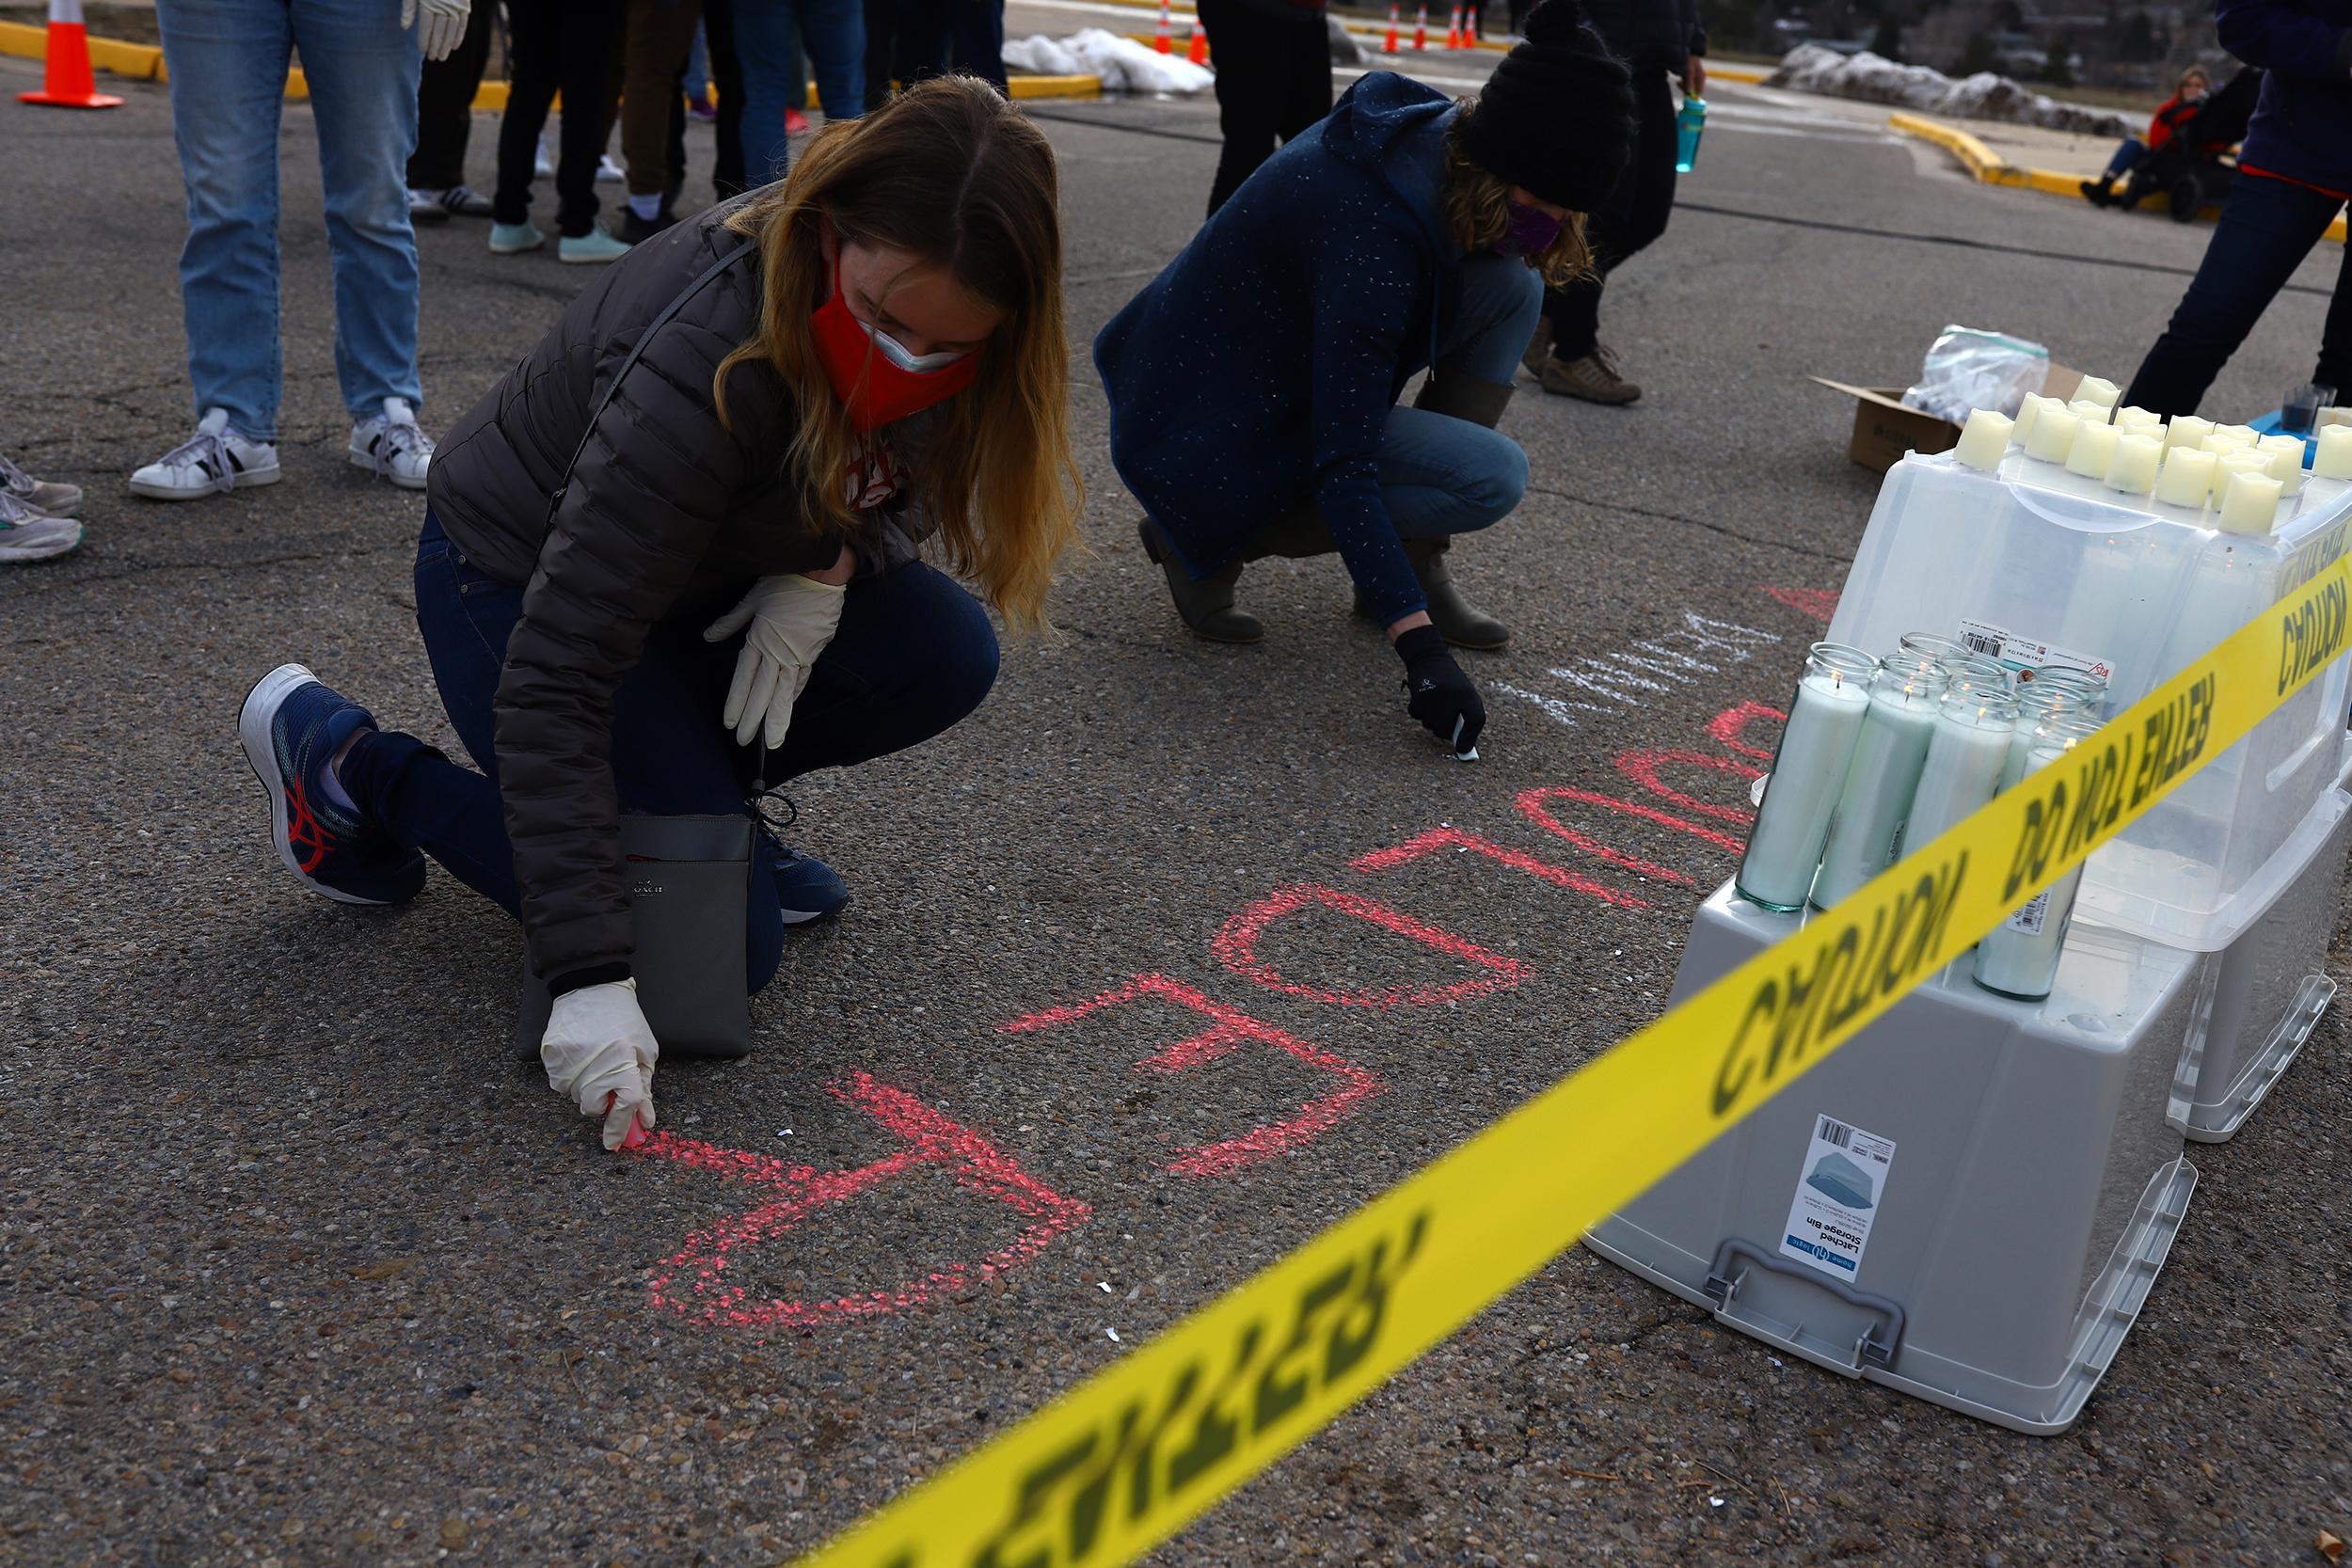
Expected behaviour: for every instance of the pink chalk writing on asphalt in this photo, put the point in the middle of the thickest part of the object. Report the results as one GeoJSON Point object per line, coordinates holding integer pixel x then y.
{"type": "Point", "coordinates": [1236, 946]}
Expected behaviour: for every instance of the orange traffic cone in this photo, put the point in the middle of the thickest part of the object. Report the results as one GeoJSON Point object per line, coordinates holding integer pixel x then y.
{"type": "Point", "coordinates": [1421, 27]}
{"type": "Point", "coordinates": [1161, 43]}
{"type": "Point", "coordinates": [68, 83]}
{"type": "Point", "coordinates": [1199, 52]}
{"type": "Point", "coordinates": [1390, 47]}
{"type": "Point", "coordinates": [1454, 28]}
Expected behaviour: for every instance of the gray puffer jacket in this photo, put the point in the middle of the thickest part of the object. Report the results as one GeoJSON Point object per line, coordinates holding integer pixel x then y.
{"type": "Point", "coordinates": [668, 514]}
{"type": "Point", "coordinates": [1653, 34]}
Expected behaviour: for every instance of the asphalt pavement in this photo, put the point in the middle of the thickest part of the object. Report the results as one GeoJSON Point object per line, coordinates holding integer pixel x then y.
{"type": "Point", "coordinates": [303, 1268]}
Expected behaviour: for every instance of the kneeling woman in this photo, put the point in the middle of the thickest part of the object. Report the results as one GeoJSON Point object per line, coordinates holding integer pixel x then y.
{"type": "Point", "coordinates": [764, 409]}
{"type": "Point", "coordinates": [1253, 384]}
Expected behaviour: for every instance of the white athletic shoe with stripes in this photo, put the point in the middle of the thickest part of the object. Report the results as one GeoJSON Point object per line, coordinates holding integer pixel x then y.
{"type": "Point", "coordinates": [216, 460]}
{"type": "Point", "coordinates": [393, 445]}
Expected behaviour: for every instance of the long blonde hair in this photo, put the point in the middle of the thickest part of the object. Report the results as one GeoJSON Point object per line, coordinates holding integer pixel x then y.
{"type": "Point", "coordinates": [1477, 207]}
{"type": "Point", "coordinates": [949, 172]}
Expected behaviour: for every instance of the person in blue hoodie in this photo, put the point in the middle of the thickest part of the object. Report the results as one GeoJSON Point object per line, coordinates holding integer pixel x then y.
{"type": "Point", "coordinates": [2294, 175]}
{"type": "Point", "coordinates": [1253, 384]}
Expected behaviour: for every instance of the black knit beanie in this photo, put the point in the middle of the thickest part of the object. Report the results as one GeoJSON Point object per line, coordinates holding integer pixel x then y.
{"type": "Point", "coordinates": [1558, 117]}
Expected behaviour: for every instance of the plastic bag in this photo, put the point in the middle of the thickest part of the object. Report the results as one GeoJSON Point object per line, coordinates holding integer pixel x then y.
{"type": "Point", "coordinates": [1966, 369]}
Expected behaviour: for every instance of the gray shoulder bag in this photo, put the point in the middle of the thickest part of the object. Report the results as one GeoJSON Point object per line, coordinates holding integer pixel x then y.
{"type": "Point", "coordinates": [688, 876]}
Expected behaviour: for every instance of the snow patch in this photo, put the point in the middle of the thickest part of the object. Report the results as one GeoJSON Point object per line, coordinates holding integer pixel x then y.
{"type": "Point", "coordinates": [1124, 65]}
{"type": "Point", "coordinates": [1809, 67]}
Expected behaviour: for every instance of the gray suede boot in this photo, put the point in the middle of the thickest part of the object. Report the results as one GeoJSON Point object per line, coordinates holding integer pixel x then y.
{"type": "Point", "coordinates": [1463, 624]}
{"type": "Point", "coordinates": [1206, 604]}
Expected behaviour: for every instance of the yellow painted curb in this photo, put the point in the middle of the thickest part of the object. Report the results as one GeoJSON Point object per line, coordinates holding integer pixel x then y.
{"type": "Point", "coordinates": [1987, 167]}
{"type": "Point", "coordinates": [1024, 88]}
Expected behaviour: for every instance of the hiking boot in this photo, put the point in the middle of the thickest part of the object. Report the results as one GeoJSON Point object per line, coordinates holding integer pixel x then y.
{"type": "Point", "coordinates": [216, 460]}
{"type": "Point", "coordinates": [2096, 193]}
{"type": "Point", "coordinates": [1593, 378]}
{"type": "Point", "coordinates": [393, 445]}
{"type": "Point", "coordinates": [1206, 604]}
{"type": "Point", "coordinates": [58, 500]}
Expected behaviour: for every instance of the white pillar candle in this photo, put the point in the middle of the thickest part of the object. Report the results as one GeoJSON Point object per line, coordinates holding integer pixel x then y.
{"type": "Point", "coordinates": [2250, 505]}
{"type": "Point", "coordinates": [2134, 418]}
{"type": "Point", "coordinates": [2019, 958]}
{"type": "Point", "coordinates": [2229, 465]}
{"type": "Point", "coordinates": [2187, 478]}
{"type": "Point", "coordinates": [1817, 747]}
{"type": "Point", "coordinates": [2099, 391]}
{"type": "Point", "coordinates": [2187, 430]}
{"type": "Point", "coordinates": [2089, 413]}
{"type": "Point", "coordinates": [1984, 439]}
{"type": "Point", "coordinates": [2241, 435]}
{"type": "Point", "coordinates": [2027, 412]}
{"type": "Point", "coordinates": [2285, 453]}
{"type": "Point", "coordinates": [2334, 458]}
{"type": "Point", "coordinates": [2092, 451]}
{"type": "Point", "coordinates": [2052, 435]}
{"type": "Point", "coordinates": [1880, 783]}
{"type": "Point", "coordinates": [1965, 755]}
{"type": "Point", "coordinates": [2131, 471]}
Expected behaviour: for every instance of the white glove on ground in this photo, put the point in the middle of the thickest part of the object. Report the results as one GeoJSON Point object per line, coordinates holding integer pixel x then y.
{"type": "Point", "coordinates": [600, 1050]}
{"type": "Point", "coordinates": [442, 26]}
{"type": "Point", "coordinates": [791, 619]}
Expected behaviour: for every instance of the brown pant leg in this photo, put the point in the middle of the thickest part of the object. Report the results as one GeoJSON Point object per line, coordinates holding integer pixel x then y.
{"type": "Point", "coordinates": [659, 37]}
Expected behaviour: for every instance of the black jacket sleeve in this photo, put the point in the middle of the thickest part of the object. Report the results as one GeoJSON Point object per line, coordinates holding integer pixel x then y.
{"type": "Point", "coordinates": [649, 492]}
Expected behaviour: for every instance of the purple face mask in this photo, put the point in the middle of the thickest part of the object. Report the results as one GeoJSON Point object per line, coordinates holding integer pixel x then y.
{"type": "Point", "coordinates": [1531, 231]}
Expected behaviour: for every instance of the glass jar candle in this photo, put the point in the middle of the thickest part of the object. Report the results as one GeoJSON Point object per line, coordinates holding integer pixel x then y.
{"type": "Point", "coordinates": [1817, 747]}
{"type": "Point", "coordinates": [2019, 958]}
{"type": "Point", "coordinates": [1975, 726]}
{"type": "Point", "coordinates": [1955, 656]}
{"type": "Point", "coordinates": [1875, 799]}
{"type": "Point", "coordinates": [2045, 697]}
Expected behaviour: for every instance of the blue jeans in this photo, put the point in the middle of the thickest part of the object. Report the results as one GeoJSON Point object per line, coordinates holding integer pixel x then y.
{"type": "Point", "coordinates": [2268, 227]}
{"type": "Point", "coordinates": [2128, 157]}
{"type": "Point", "coordinates": [1443, 475]}
{"type": "Point", "coordinates": [915, 654]}
{"type": "Point", "coordinates": [228, 62]}
{"type": "Point", "coordinates": [834, 32]}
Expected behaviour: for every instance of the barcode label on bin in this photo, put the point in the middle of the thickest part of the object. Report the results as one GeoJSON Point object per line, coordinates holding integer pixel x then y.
{"type": "Point", "coordinates": [2019, 652]}
{"type": "Point", "coordinates": [1839, 1188]}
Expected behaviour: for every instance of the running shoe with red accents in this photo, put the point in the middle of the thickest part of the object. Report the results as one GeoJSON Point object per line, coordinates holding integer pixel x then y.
{"type": "Point", "coordinates": [292, 726]}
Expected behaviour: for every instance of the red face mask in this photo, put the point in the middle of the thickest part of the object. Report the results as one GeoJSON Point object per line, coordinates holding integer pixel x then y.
{"type": "Point", "coordinates": [877, 380]}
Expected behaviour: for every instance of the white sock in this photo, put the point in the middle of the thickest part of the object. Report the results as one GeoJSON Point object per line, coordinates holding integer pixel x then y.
{"type": "Point", "coordinates": [646, 207]}
{"type": "Point", "coordinates": [336, 792]}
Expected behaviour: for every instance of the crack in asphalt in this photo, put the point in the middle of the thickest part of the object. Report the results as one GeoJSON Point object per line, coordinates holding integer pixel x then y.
{"type": "Point", "coordinates": [1688, 522]}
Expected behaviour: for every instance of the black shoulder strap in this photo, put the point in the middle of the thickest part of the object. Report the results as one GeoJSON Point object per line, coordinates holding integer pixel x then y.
{"type": "Point", "coordinates": [629, 363]}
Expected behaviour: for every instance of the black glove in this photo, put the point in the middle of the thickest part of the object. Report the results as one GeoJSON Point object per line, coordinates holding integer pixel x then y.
{"type": "Point", "coordinates": [1436, 691]}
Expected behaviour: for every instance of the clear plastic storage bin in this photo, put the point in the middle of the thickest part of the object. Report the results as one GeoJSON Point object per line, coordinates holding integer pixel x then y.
{"type": "Point", "coordinates": [1968, 1201]}
{"type": "Point", "coordinates": [2037, 567]}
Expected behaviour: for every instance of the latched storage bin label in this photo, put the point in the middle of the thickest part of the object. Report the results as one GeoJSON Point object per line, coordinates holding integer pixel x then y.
{"type": "Point", "coordinates": [1838, 1189]}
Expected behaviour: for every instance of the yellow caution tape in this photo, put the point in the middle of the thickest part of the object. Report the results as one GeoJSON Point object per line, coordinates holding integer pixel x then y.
{"type": "Point", "coordinates": [1127, 1458]}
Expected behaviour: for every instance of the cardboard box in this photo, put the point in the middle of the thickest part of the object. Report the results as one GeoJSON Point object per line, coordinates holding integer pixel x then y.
{"type": "Point", "coordinates": [1885, 427]}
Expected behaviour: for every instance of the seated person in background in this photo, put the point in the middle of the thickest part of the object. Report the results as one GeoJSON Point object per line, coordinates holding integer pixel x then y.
{"type": "Point", "coordinates": [2194, 88]}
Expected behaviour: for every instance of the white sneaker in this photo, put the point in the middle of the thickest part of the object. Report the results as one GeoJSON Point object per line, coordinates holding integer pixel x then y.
{"type": "Point", "coordinates": [392, 444]}
{"type": "Point", "coordinates": [216, 460]}
{"type": "Point", "coordinates": [28, 533]}
{"type": "Point", "coordinates": [543, 166]}
{"type": "Point", "coordinates": [609, 172]}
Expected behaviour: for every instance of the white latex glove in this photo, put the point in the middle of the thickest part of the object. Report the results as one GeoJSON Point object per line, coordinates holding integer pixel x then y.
{"type": "Point", "coordinates": [790, 620]}
{"type": "Point", "coordinates": [441, 27]}
{"type": "Point", "coordinates": [600, 1050]}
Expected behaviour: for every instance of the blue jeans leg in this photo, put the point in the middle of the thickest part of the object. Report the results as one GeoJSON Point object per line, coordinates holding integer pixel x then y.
{"type": "Point", "coordinates": [228, 63]}
{"type": "Point", "coordinates": [2268, 227]}
{"type": "Point", "coordinates": [1488, 318]}
{"type": "Point", "coordinates": [2128, 157]}
{"type": "Point", "coordinates": [1443, 475]}
{"type": "Point", "coordinates": [363, 67]}
{"type": "Point", "coordinates": [834, 32]}
{"type": "Point", "coordinates": [915, 655]}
